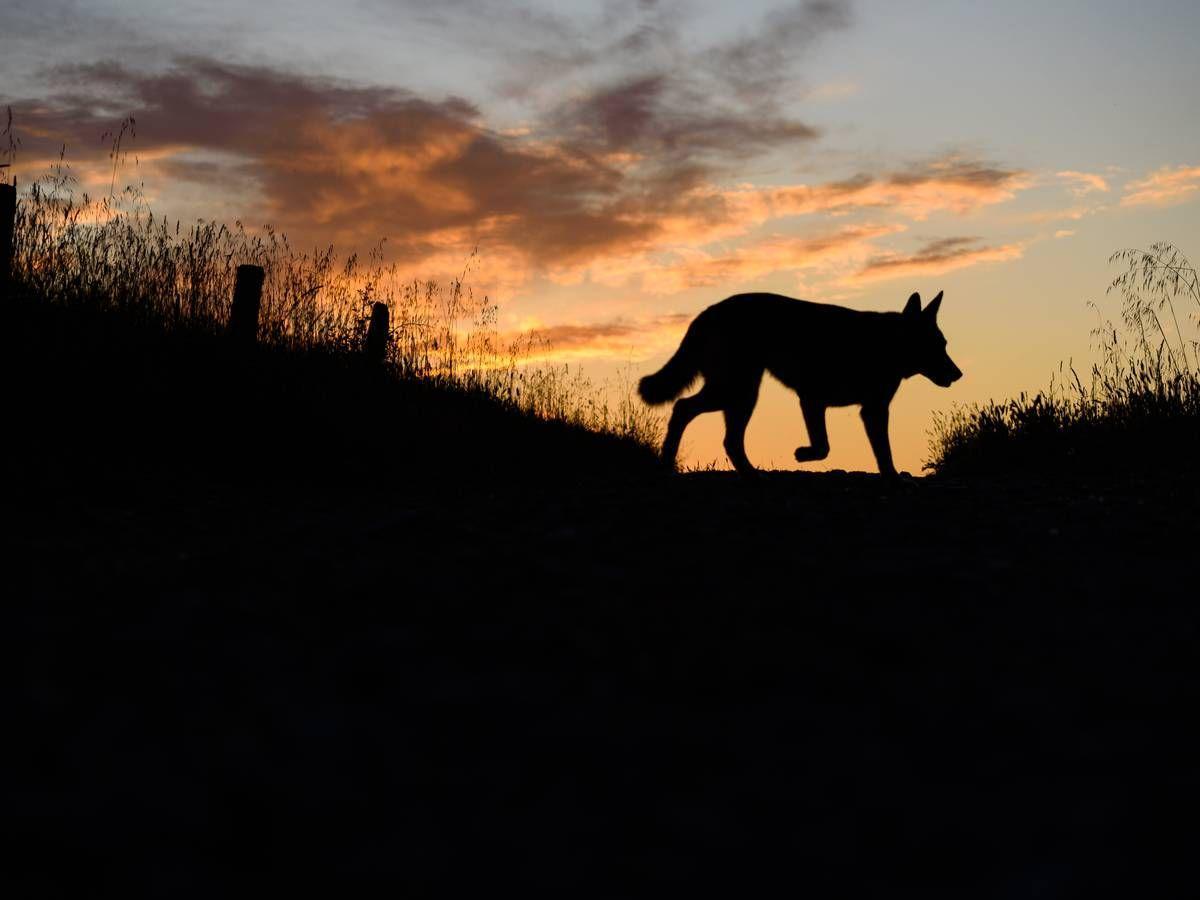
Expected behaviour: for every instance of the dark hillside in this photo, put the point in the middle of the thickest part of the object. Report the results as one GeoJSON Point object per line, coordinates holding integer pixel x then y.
{"type": "Point", "coordinates": [104, 392]}
{"type": "Point", "coordinates": [525, 660]}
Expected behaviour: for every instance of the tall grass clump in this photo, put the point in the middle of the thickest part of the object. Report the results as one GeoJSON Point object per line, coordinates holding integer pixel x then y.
{"type": "Point", "coordinates": [113, 254]}
{"type": "Point", "coordinates": [1136, 411]}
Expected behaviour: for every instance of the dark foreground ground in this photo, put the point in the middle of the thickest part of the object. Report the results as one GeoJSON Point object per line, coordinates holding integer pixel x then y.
{"type": "Point", "coordinates": [606, 684]}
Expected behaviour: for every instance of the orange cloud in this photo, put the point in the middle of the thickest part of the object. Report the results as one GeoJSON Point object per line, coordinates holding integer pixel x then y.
{"type": "Point", "coordinates": [696, 268]}
{"type": "Point", "coordinates": [1164, 187]}
{"type": "Point", "coordinates": [613, 186]}
{"type": "Point", "coordinates": [950, 183]}
{"type": "Point", "coordinates": [706, 214]}
{"type": "Point", "coordinates": [936, 257]}
{"type": "Point", "coordinates": [617, 337]}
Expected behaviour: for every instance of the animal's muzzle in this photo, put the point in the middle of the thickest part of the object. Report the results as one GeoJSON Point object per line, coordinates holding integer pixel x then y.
{"type": "Point", "coordinates": [947, 375]}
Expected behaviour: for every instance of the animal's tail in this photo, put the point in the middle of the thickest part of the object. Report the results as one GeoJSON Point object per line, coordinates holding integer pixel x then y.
{"type": "Point", "coordinates": [674, 378]}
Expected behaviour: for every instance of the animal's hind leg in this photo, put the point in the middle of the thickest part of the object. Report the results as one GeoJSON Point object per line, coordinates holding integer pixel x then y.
{"type": "Point", "coordinates": [681, 416]}
{"type": "Point", "coordinates": [818, 437]}
{"type": "Point", "coordinates": [738, 406]}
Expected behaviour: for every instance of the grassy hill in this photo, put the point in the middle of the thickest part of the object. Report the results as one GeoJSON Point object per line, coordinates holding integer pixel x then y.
{"type": "Point", "coordinates": [282, 618]}
{"type": "Point", "coordinates": [1136, 410]}
{"type": "Point", "coordinates": [103, 392]}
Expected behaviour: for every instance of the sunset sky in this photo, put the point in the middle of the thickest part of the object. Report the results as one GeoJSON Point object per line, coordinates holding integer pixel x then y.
{"type": "Point", "coordinates": [622, 165]}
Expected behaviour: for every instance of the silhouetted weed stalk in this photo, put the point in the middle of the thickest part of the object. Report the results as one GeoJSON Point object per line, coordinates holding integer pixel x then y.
{"type": "Point", "coordinates": [9, 145]}
{"type": "Point", "coordinates": [1137, 409]}
{"type": "Point", "coordinates": [113, 253]}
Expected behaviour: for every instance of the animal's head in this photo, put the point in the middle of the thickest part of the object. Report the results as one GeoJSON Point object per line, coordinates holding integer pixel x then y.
{"type": "Point", "coordinates": [925, 345]}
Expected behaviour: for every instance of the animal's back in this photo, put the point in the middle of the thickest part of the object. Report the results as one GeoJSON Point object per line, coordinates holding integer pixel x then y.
{"type": "Point", "coordinates": [807, 346]}
{"type": "Point", "coordinates": [796, 340]}
{"type": "Point", "coordinates": [776, 315]}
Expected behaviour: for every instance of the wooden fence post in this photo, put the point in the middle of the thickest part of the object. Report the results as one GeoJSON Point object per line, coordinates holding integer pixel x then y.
{"type": "Point", "coordinates": [247, 297]}
{"type": "Point", "coordinates": [8, 219]}
{"type": "Point", "coordinates": [377, 334]}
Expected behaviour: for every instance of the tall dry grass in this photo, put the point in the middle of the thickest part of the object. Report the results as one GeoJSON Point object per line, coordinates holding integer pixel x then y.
{"type": "Point", "coordinates": [1137, 409]}
{"type": "Point", "coordinates": [114, 253]}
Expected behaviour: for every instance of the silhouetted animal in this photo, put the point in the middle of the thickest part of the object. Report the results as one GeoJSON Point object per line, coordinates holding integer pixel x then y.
{"type": "Point", "coordinates": [829, 355]}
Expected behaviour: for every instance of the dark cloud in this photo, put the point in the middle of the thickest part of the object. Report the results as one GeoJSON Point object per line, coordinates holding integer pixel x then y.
{"type": "Point", "coordinates": [718, 103]}
{"type": "Point", "coordinates": [941, 255]}
{"type": "Point", "coordinates": [759, 64]}
{"type": "Point", "coordinates": [934, 252]}
{"type": "Point", "coordinates": [620, 116]}
{"type": "Point", "coordinates": [630, 166]}
{"type": "Point", "coordinates": [651, 115]}
{"type": "Point", "coordinates": [628, 76]}
{"type": "Point", "coordinates": [954, 169]}
{"type": "Point", "coordinates": [646, 120]}
{"type": "Point", "coordinates": [348, 162]}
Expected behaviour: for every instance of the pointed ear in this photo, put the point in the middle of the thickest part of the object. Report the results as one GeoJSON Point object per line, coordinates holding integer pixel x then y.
{"type": "Point", "coordinates": [932, 308]}
{"type": "Point", "coordinates": [913, 306]}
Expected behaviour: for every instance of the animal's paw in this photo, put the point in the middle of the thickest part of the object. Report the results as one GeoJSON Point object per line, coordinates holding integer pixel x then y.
{"type": "Point", "coordinates": [899, 480]}
{"type": "Point", "coordinates": [808, 454]}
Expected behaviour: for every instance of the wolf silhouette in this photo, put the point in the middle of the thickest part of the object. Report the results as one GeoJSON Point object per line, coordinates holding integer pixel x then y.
{"type": "Point", "coordinates": [829, 355]}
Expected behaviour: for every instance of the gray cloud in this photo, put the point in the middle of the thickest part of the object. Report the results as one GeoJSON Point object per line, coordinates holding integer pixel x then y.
{"type": "Point", "coordinates": [956, 170]}
{"type": "Point", "coordinates": [937, 251]}
{"type": "Point", "coordinates": [758, 64]}
{"type": "Point", "coordinates": [630, 76]}
{"type": "Point", "coordinates": [940, 255]}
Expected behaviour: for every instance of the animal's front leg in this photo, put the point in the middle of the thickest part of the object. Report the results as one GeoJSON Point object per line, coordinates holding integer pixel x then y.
{"type": "Point", "coordinates": [875, 419]}
{"type": "Point", "coordinates": [818, 437]}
